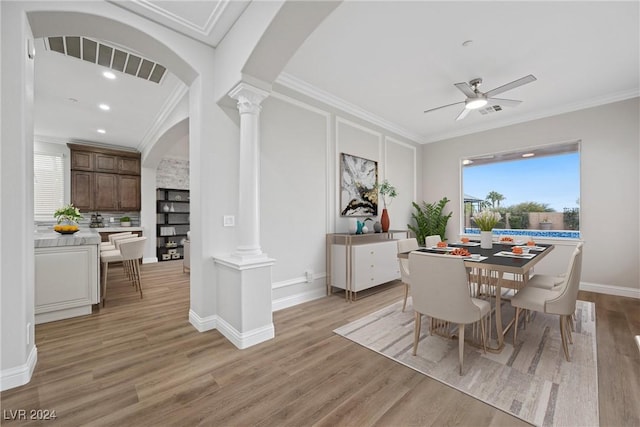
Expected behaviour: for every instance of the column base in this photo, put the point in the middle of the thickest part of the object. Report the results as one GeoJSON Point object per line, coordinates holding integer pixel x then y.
{"type": "Point", "coordinates": [244, 299]}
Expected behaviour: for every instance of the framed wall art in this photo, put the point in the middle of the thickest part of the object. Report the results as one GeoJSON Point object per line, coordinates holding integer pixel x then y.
{"type": "Point", "coordinates": [358, 179]}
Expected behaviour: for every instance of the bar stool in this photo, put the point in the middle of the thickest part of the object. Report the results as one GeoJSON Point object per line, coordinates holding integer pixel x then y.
{"type": "Point", "coordinates": [131, 268]}
{"type": "Point", "coordinates": [111, 245]}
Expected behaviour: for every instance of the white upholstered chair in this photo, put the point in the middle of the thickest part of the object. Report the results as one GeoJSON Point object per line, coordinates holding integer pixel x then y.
{"type": "Point", "coordinates": [547, 281]}
{"type": "Point", "coordinates": [439, 289]}
{"type": "Point", "coordinates": [560, 300]}
{"type": "Point", "coordinates": [111, 245]}
{"type": "Point", "coordinates": [117, 255]}
{"type": "Point", "coordinates": [406, 245]}
{"type": "Point", "coordinates": [431, 241]}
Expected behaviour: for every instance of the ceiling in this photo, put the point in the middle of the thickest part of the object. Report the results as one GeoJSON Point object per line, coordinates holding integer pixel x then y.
{"type": "Point", "coordinates": [386, 61]}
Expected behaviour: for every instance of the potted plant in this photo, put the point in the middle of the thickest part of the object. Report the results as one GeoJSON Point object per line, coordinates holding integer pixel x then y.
{"type": "Point", "coordinates": [388, 193]}
{"type": "Point", "coordinates": [545, 224]}
{"type": "Point", "coordinates": [68, 217]}
{"type": "Point", "coordinates": [486, 220]}
{"type": "Point", "coordinates": [430, 220]}
{"type": "Point", "coordinates": [125, 221]}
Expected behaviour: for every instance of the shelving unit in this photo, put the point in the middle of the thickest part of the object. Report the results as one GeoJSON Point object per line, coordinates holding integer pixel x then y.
{"type": "Point", "coordinates": [172, 223]}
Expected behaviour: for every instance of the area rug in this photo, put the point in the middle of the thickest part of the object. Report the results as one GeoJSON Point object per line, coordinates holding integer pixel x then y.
{"type": "Point", "coordinates": [532, 381]}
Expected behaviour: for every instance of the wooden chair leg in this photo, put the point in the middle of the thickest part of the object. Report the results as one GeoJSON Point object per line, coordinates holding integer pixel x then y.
{"type": "Point", "coordinates": [461, 346]}
{"type": "Point", "coordinates": [104, 286]}
{"type": "Point", "coordinates": [484, 335]}
{"type": "Point", "coordinates": [568, 324]}
{"type": "Point", "coordinates": [563, 335]}
{"type": "Point", "coordinates": [136, 267]}
{"type": "Point", "coordinates": [406, 294]}
{"type": "Point", "coordinates": [416, 335]}
{"type": "Point", "coordinates": [515, 326]}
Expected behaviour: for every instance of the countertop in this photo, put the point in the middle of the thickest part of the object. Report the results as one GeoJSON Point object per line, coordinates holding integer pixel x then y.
{"type": "Point", "coordinates": [49, 239]}
{"type": "Point", "coordinates": [116, 229]}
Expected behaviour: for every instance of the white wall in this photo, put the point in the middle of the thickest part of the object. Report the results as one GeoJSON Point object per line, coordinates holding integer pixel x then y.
{"type": "Point", "coordinates": [301, 142]}
{"type": "Point", "coordinates": [609, 199]}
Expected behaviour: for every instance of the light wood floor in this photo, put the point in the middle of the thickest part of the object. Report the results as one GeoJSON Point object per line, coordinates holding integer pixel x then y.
{"type": "Point", "coordinates": [139, 362]}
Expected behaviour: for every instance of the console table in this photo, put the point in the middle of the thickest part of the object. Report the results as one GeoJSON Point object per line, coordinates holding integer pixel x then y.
{"type": "Point", "coordinates": [360, 261]}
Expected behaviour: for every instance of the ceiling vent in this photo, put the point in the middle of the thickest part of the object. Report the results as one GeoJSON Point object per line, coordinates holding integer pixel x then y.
{"type": "Point", "coordinates": [108, 56]}
{"type": "Point", "coordinates": [490, 109]}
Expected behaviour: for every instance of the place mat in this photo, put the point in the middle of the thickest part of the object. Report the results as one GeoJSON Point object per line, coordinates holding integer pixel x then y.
{"type": "Point", "coordinates": [435, 248]}
{"type": "Point", "coordinates": [482, 258]}
{"type": "Point", "coordinates": [534, 248]}
{"type": "Point", "coordinates": [466, 244]}
{"type": "Point", "coordinates": [512, 255]}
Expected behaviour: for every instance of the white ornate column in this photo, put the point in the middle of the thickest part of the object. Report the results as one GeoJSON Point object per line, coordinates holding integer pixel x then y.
{"type": "Point", "coordinates": [244, 313]}
{"type": "Point", "coordinates": [249, 99]}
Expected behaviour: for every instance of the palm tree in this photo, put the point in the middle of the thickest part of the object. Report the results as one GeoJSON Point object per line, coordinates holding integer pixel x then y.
{"type": "Point", "coordinates": [495, 198]}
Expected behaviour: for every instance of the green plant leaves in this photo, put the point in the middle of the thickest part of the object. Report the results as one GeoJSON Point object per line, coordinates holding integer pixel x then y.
{"type": "Point", "coordinates": [430, 220]}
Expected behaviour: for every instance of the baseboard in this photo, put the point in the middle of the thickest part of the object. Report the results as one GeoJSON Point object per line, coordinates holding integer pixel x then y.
{"type": "Point", "coordinates": [620, 291]}
{"type": "Point", "coordinates": [20, 375]}
{"type": "Point", "coordinates": [290, 301]}
{"type": "Point", "coordinates": [244, 340]}
{"type": "Point", "coordinates": [203, 324]}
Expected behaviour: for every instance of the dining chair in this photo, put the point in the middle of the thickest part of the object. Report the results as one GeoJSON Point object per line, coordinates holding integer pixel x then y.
{"type": "Point", "coordinates": [439, 289]}
{"type": "Point", "coordinates": [548, 281]}
{"type": "Point", "coordinates": [406, 245]}
{"type": "Point", "coordinates": [116, 255]}
{"type": "Point", "coordinates": [560, 300]}
{"type": "Point", "coordinates": [431, 241]}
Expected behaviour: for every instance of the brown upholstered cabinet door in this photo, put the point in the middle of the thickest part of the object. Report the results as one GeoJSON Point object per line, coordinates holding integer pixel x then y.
{"type": "Point", "coordinates": [129, 190]}
{"type": "Point", "coordinates": [106, 192]}
{"type": "Point", "coordinates": [82, 189]}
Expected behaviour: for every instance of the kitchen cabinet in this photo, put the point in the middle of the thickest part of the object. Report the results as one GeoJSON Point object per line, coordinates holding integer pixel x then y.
{"type": "Point", "coordinates": [172, 223]}
{"type": "Point", "coordinates": [105, 179]}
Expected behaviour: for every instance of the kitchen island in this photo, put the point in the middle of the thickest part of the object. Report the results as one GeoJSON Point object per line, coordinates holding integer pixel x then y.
{"type": "Point", "coordinates": [67, 276]}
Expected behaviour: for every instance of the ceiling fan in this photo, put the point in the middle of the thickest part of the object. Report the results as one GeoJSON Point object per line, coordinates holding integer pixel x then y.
{"type": "Point", "coordinates": [476, 99]}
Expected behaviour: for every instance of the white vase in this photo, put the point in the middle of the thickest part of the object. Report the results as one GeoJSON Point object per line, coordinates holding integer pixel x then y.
{"type": "Point", "coordinates": [486, 239]}
{"type": "Point", "coordinates": [353, 226]}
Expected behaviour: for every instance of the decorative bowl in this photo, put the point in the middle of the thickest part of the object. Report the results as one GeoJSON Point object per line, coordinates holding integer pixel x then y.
{"type": "Point", "coordinates": [67, 231]}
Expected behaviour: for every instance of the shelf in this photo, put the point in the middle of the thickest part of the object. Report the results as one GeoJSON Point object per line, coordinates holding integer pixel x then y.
{"type": "Point", "coordinates": [167, 197]}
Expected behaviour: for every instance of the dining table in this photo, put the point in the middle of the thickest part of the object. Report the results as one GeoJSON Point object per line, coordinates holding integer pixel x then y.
{"type": "Point", "coordinates": [492, 266]}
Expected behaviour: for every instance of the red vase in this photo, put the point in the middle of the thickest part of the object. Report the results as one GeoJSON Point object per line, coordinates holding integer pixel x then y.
{"type": "Point", "coordinates": [384, 221]}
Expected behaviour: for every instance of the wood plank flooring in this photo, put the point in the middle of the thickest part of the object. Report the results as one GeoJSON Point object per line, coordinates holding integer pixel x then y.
{"type": "Point", "coordinates": [140, 363]}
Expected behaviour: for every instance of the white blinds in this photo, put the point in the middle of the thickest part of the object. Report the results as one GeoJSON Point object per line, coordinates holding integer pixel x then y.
{"type": "Point", "coordinates": [48, 184]}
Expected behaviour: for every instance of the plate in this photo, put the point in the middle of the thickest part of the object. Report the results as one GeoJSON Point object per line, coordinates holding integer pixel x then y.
{"type": "Point", "coordinates": [178, 198]}
{"type": "Point", "coordinates": [67, 231]}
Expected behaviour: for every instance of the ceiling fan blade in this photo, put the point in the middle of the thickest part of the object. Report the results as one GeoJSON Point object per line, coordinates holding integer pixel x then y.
{"type": "Point", "coordinates": [504, 102]}
{"type": "Point", "coordinates": [466, 89]}
{"type": "Point", "coordinates": [443, 106]}
{"type": "Point", "coordinates": [463, 114]}
{"type": "Point", "coordinates": [514, 84]}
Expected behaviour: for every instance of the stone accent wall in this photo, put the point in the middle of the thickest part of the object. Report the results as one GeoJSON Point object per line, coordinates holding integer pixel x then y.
{"type": "Point", "coordinates": [173, 173]}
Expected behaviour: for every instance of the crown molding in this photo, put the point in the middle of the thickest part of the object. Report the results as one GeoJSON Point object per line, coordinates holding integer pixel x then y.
{"type": "Point", "coordinates": [203, 30]}
{"type": "Point", "coordinates": [170, 104]}
{"type": "Point", "coordinates": [294, 83]}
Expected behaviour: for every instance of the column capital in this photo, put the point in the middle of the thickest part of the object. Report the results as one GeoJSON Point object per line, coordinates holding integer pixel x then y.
{"type": "Point", "coordinates": [249, 97]}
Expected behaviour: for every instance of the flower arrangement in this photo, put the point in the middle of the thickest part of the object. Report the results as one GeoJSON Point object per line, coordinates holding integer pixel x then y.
{"type": "Point", "coordinates": [487, 219]}
{"type": "Point", "coordinates": [387, 191]}
{"type": "Point", "coordinates": [67, 213]}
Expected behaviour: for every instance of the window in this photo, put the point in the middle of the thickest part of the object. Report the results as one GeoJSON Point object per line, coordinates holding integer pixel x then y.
{"type": "Point", "coordinates": [48, 184]}
{"type": "Point", "coordinates": [536, 191]}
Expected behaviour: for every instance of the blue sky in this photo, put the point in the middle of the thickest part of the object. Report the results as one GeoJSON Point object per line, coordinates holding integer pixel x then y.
{"type": "Point", "coordinates": [554, 180]}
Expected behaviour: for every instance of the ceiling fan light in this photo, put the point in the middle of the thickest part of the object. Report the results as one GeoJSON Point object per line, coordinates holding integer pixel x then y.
{"type": "Point", "coordinates": [474, 104]}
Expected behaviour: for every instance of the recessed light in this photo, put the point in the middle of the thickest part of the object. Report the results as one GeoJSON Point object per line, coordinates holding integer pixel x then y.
{"type": "Point", "coordinates": [109, 75]}
{"type": "Point", "coordinates": [72, 99]}
{"type": "Point", "coordinates": [102, 131]}
{"type": "Point", "coordinates": [528, 154]}
{"type": "Point", "coordinates": [104, 107]}
{"type": "Point", "coordinates": [467, 43]}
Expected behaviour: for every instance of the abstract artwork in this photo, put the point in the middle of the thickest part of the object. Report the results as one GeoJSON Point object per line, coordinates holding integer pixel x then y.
{"type": "Point", "coordinates": [358, 195]}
